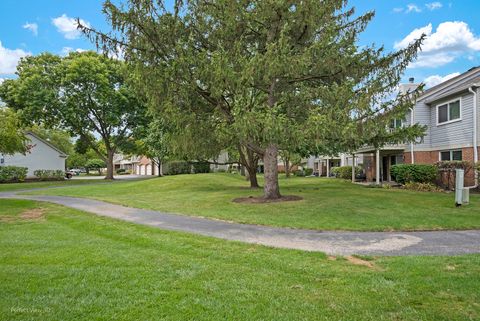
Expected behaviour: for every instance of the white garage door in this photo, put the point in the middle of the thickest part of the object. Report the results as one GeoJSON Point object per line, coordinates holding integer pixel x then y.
{"type": "Point", "coordinates": [149, 169]}
{"type": "Point", "coordinates": [142, 169]}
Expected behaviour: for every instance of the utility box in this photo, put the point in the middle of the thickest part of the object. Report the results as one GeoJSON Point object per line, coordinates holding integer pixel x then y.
{"type": "Point", "coordinates": [459, 179]}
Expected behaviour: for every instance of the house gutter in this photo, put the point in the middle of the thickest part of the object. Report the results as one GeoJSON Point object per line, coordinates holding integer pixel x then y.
{"type": "Point", "coordinates": [475, 131]}
{"type": "Point", "coordinates": [412, 121]}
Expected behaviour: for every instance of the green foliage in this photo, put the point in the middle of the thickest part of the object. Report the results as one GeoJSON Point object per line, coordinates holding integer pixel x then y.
{"type": "Point", "coordinates": [177, 167]}
{"type": "Point", "coordinates": [12, 174]}
{"type": "Point", "coordinates": [308, 171]}
{"type": "Point", "coordinates": [49, 174]}
{"type": "Point", "coordinates": [12, 137]}
{"type": "Point", "coordinates": [95, 164]}
{"type": "Point", "coordinates": [345, 172]}
{"type": "Point", "coordinates": [61, 139]}
{"type": "Point", "coordinates": [84, 93]}
{"type": "Point", "coordinates": [121, 171]}
{"type": "Point", "coordinates": [414, 173]}
{"type": "Point", "coordinates": [422, 187]}
{"type": "Point", "coordinates": [262, 74]}
{"type": "Point", "coordinates": [201, 167]}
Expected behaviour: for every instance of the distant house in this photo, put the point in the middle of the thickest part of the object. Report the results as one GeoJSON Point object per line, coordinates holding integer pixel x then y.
{"type": "Point", "coordinates": [41, 155]}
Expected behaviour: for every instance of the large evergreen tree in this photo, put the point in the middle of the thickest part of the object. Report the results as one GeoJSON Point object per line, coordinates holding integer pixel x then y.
{"type": "Point", "coordinates": [260, 73]}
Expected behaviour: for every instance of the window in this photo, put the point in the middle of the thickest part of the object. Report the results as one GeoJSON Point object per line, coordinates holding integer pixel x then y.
{"type": "Point", "coordinates": [451, 155]}
{"type": "Point", "coordinates": [448, 112]}
{"type": "Point", "coordinates": [396, 123]}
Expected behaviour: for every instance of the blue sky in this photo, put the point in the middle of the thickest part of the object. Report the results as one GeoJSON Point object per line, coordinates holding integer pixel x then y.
{"type": "Point", "coordinates": [453, 45]}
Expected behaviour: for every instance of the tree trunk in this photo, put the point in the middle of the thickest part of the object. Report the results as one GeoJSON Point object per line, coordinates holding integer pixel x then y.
{"type": "Point", "coordinates": [286, 163]}
{"type": "Point", "coordinates": [109, 165]}
{"type": "Point", "coordinates": [249, 163]}
{"type": "Point", "coordinates": [271, 189]}
{"type": "Point", "coordinates": [160, 168]}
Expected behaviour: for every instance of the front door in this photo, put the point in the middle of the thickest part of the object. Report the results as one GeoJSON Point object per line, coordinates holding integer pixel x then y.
{"type": "Point", "coordinates": [385, 168]}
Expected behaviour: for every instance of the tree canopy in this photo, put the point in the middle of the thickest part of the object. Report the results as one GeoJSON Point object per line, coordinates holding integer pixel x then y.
{"type": "Point", "coordinates": [261, 73]}
{"type": "Point", "coordinates": [12, 135]}
{"type": "Point", "coordinates": [85, 93]}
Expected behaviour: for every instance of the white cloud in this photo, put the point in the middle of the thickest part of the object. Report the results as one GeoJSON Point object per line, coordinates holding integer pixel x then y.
{"type": "Point", "coordinates": [9, 59]}
{"type": "Point", "coordinates": [68, 26]}
{"type": "Point", "coordinates": [2, 80]}
{"type": "Point", "coordinates": [451, 40]}
{"type": "Point", "coordinates": [437, 79]}
{"type": "Point", "coordinates": [33, 27]}
{"type": "Point", "coordinates": [434, 5]}
{"type": "Point", "coordinates": [66, 50]}
{"type": "Point", "coordinates": [397, 10]}
{"type": "Point", "coordinates": [412, 8]}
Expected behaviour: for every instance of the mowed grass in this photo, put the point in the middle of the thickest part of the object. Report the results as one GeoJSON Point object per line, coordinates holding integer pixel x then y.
{"type": "Point", "coordinates": [70, 265]}
{"type": "Point", "coordinates": [328, 204]}
{"type": "Point", "coordinates": [7, 187]}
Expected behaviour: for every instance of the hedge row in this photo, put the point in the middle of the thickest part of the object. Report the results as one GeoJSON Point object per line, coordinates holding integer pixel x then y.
{"type": "Point", "coordinates": [414, 173]}
{"type": "Point", "coordinates": [345, 172]}
{"type": "Point", "coordinates": [179, 167]}
{"type": "Point", "coordinates": [49, 174]}
{"type": "Point", "coordinates": [12, 174]}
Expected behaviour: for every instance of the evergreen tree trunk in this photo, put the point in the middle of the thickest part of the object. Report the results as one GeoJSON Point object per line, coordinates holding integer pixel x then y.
{"type": "Point", "coordinates": [271, 189]}
{"type": "Point", "coordinates": [109, 165]}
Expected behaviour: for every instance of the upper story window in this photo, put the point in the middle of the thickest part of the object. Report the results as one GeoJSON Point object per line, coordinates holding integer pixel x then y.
{"type": "Point", "coordinates": [396, 123]}
{"type": "Point", "coordinates": [448, 112]}
{"type": "Point", "coordinates": [451, 155]}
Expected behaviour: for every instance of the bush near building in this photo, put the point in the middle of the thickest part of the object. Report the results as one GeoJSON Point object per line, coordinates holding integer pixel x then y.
{"type": "Point", "coordinates": [49, 174]}
{"type": "Point", "coordinates": [10, 174]}
{"type": "Point", "coordinates": [345, 172]}
{"type": "Point", "coordinates": [414, 173]}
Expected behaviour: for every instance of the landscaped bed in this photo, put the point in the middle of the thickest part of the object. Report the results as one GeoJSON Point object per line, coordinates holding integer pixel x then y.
{"type": "Point", "coordinates": [328, 204]}
{"type": "Point", "coordinates": [62, 264]}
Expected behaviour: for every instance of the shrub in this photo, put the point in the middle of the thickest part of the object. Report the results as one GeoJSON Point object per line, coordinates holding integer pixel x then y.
{"type": "Point", "coordinates": [308, 171]}
{"type": "Point", "coordinates": [299, 173]}
{"type": "Point", "coordinates": [447, 172]}
{"type": "Point", "coordinates": [422, 187]}
{"type": "Point", "coordinates": [12, 174]}
{"type": "Point", "coordinates": [49, 174]}
{"type": "Point", "coordinates": [345, 172]}
{"type": "Point", "coordinates": [416, 173]}
{"type": "Point", "coordinates": [121, 171]}
{"type": "Point", "coordinates": [176, 168]}
{"type": "Point", "coordinates": [201, 167]}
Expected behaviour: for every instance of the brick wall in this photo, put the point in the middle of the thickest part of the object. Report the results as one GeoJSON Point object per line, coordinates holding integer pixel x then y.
{"type": "Point", "coordinates": [432, 157]}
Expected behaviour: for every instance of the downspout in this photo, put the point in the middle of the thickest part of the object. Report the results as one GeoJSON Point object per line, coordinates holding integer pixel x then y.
{"type": "Point", "coordinates": [475, 130]}
{"type": "Point", "coordinates": [412, 121]}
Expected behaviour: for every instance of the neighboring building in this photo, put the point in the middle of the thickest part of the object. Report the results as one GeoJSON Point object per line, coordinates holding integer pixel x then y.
{"type": "Point", "coordinates": [450, 112]}
{"type": "Point", "coordinates": [322, 165]}
{"type": "Point", "coordinates": [41, 155]}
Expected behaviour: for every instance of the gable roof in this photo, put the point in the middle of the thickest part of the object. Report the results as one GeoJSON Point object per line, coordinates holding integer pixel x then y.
{"type": "Point", "coordinates": [454, 85]}
{"type": "Point", "coordinates": [62, 154]}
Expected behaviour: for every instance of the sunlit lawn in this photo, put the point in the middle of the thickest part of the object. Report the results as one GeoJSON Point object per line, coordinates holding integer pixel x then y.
{"type": "Point", "coordinates": [328, 204]}
{"type": "Point", "coordinates": [63, 264]}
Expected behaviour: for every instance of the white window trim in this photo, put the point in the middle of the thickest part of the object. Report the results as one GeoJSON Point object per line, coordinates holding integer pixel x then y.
{"type": "Point", "coordinates": [451, 154]}
{"type": "Point", "coordinates": [448, 111]}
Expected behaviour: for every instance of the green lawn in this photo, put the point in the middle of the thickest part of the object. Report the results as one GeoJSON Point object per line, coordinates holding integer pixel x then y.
{"type": "Point", "coordinates": [329, 204]}
{"type": "Point", "coordinates": [70, 265]}
{"type": "Point", "coordinates": [5, 187]}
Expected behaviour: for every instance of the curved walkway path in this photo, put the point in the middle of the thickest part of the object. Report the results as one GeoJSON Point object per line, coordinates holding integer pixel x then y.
{"type": "Point", "coordinates": [330, 242]}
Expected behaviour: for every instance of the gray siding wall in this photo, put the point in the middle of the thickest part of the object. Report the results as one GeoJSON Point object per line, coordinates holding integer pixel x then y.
{"type": "Point", "coordinates": [456, 133]}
